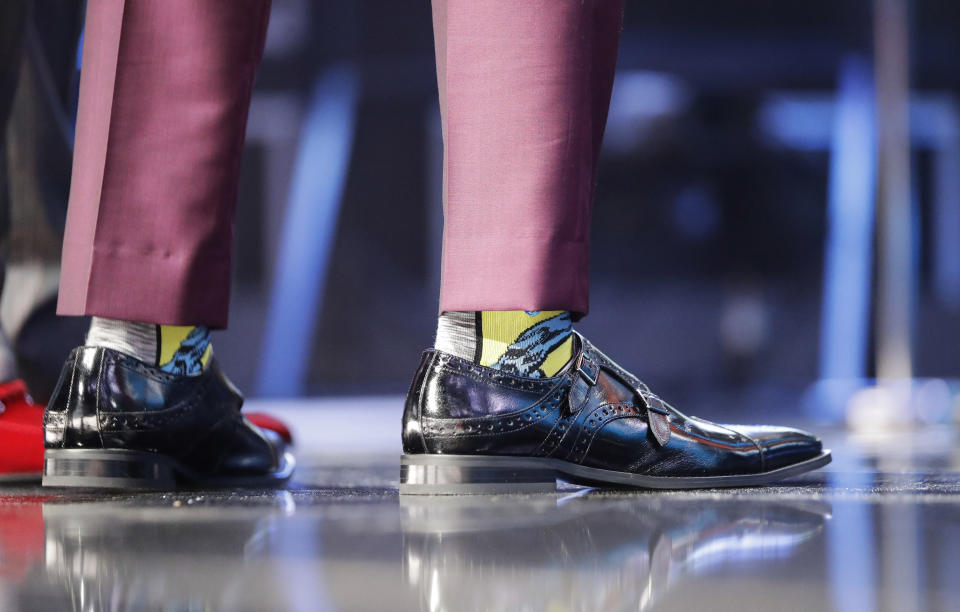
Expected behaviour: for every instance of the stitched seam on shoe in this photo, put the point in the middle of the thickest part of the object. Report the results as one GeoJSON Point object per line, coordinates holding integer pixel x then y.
{"type": "Point", "coordinates": [73, 376]}
{"type": "Point", "coordinates": [103, 356]}
{"type": "Point", "coordinates": [63, 425]}
{"type": "Point", "coordinates": [586, 449]}
{"type": "Point", "coordinates": [785, 439]}
{"type": "Point", "coordinates": [126, 417]}
{"type": "Point", "coordinates": [569, 420]}
{"type": "Point", "coordinates": [603, 423]}
{"type": "Point", "coordinates": [148, 372]}
{"type": "Point", "coordinates": [480, 435]}
{"type": "Point", "coordinates": [481, 379]}
{"type": "Point", "coordinates": [733, 431]}
{"type": "Point", "coordinates": [540, 450]}
{"type": "Point", "coordinates": [126, 424]}
{"type": "Point", "coordinates": [542, 407]}
{"type": "Point", "coordinates": [423, 385]}
{"type": "Point", "coordinates": [573, 447]}
{"type": "Point", "coordinates": [570, 432]}
{"type": "Point", "coordinates": [493, 417]}
{"type": "Point", "coordinates": [485, 421]}
{"type": "Point", "coordinates": [763, 458]}
{"type": "Point", "coordinates": [489, 433]}
{"type": "Point", "coordinates": [186, 404]}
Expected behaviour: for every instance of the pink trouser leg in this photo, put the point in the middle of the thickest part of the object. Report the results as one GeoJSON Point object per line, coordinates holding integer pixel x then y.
{"type": "Point", "coordinates": [164, 95]}
{"type": "Point", "coordinates": [524, 92]}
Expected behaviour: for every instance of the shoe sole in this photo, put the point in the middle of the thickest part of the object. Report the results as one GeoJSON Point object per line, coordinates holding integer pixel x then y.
{"type": "Point", "coordinates": [125, 469]}
{"type": "Point", "coordinates": [486, 475]}
{"type": "Point", "coordinates": [19, 477]}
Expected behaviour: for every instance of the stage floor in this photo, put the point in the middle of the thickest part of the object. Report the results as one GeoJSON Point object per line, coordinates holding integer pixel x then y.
{"type": "Point", "coordinates": [879, 529]}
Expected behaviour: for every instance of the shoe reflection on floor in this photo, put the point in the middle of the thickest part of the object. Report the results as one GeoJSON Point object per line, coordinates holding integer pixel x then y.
{"type": "Point", "coordinates": [119, 556]}
{"type": "Point", "coordinates": [585, 553]}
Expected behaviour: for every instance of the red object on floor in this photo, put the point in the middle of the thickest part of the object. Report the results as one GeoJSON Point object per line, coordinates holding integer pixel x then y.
{"type": "Point", "coordinates": [265, 421]}
{"type": "Point", "coordinates": [21, 432]}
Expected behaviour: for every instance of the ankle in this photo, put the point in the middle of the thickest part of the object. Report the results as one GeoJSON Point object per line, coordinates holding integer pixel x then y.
{"type": "Point", "coordinates": [535, 344]}
{"type": "Point", "coordinates": [179, 349]}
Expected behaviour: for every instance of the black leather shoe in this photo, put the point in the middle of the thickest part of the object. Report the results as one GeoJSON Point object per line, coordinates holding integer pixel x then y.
{"type": "Point", "coordinates": [472, 429]}
{"type": "Point", "coordinates": [116, 422]}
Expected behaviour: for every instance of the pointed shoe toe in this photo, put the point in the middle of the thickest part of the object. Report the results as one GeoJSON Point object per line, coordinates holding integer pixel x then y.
{"type": "Point", "coordinates": [782, 446]}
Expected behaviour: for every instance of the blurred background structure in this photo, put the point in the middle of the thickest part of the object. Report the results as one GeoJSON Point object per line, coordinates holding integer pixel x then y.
{"type": "Point", "coordinates": [777, 215]}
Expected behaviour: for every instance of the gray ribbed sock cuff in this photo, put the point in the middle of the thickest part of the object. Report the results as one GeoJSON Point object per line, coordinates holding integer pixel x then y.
{"type": "Point", "coordinates": [139, 340]}
{"type": "Point", "coordinates": [457, 334]}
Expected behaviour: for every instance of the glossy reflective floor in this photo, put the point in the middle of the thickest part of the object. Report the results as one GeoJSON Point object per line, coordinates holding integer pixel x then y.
{"type": "Point", "coordinates": [879, 529]}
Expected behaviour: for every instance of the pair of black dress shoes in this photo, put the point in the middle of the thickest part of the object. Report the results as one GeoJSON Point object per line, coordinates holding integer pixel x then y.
{"type": "Point", "coordinates": [116, 422]}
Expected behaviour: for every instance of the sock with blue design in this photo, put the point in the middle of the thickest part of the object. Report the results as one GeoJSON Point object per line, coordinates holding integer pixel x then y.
{"type": "Point", "coordinates": [178, 349]}
{"type": "Point", "coordinates": [534, 344]}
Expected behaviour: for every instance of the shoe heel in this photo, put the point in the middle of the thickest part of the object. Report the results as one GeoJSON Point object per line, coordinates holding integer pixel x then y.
{"type": "Point", "coordinates": [107, 469]}
{"type": "Point", "coordinates": [474, 475]}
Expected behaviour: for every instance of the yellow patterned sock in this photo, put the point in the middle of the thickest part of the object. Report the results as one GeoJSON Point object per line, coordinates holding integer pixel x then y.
{"type": "Point", "coordinates": [536, 344]}
{"type": "Point", "coordinates": [183, 349]}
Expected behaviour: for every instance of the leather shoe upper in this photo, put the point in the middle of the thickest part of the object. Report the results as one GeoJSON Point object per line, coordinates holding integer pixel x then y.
{"type": "Point", "coordinates": [593, 413]}
{"type": "Point", "coordinates": [108, 400]}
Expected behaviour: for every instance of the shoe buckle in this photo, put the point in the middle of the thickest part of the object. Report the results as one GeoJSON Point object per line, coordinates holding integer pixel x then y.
{"type": "Point", "coordinates": [653, 405]}
{"type": "Point", "coordinates": [658, 418]}
{"type": "Point", "coordinates": [589, 370]}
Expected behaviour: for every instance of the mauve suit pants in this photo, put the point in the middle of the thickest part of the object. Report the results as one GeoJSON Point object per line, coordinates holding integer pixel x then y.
{"type": "Point", "coordinates": [164, 95]}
